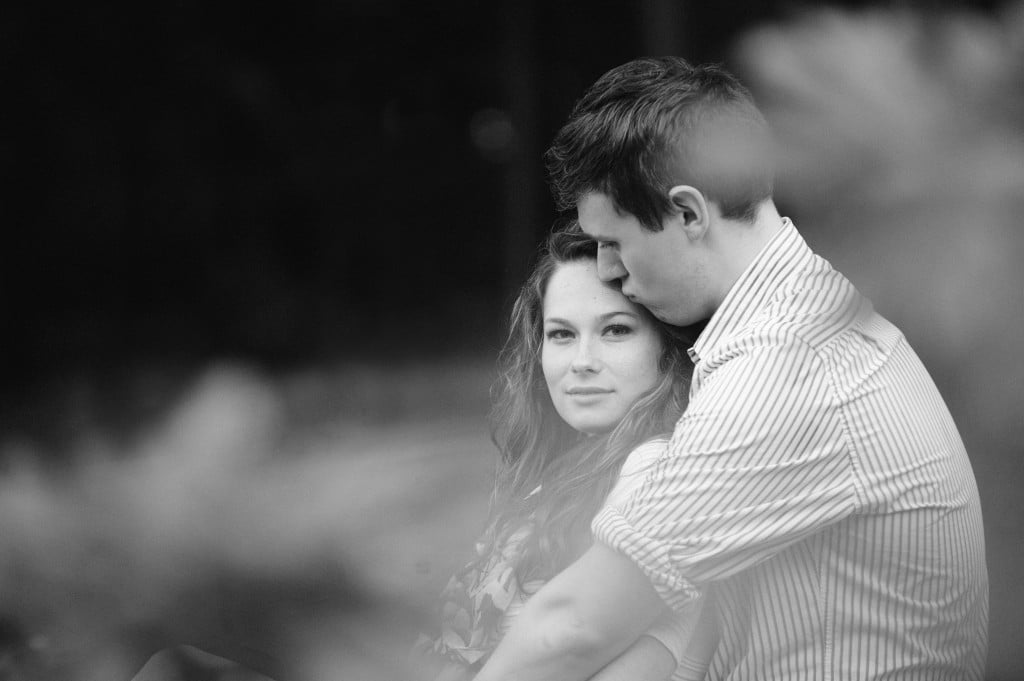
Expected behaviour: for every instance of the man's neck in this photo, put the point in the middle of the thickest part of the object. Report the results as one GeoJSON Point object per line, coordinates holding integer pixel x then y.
{"type": "Point", "coordinates": [740, 242]}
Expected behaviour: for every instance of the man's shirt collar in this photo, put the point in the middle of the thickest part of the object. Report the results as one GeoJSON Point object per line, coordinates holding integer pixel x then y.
{"type": "Point", "coordinates": [784, 254]}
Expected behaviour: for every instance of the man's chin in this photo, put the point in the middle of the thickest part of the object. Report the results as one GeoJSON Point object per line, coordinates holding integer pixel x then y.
{"type": "Point", "coordinates": [678, 319]}
{"type": "Point", "coordinates": [662, 314]}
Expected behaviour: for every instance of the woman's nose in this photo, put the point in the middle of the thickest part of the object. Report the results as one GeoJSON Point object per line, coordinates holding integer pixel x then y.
{"type": "Point", "coordinates": [586, 358]}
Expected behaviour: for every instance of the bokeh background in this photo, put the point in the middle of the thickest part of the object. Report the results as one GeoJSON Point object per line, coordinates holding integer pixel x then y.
{"type": "Point", "coordinates": [257, 261]}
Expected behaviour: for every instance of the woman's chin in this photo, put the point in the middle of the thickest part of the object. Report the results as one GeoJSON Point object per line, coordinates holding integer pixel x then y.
{"type": "Point", "coordinates": [592, 425]}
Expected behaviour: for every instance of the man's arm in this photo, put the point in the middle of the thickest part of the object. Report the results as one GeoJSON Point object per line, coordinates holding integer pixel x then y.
{"type": "Point", "coordinates": [759, 461]}
{"type": "Point", "coordinates": [646, 660]}
{"type": "Point", "coordinates": [581, 620]}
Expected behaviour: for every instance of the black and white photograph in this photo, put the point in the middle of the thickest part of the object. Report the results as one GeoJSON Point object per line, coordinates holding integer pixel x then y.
{"type": "Point", "coordinates": [377, 340]}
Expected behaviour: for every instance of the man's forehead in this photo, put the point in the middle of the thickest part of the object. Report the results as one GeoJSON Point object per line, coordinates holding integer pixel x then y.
{"type": "Point", "coordinates": [596, 211]}
{"type": "Point", "coordinates": [601, 218]}
{"type": "Point", "coordinates": [596, 232]}
{"type": "Point", "coordinates": [589, 229]}
{"type": "Point", "coordinates": [594, 201]}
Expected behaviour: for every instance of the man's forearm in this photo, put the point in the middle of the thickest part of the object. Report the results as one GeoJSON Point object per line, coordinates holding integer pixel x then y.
{"type": "Point", "coordinates": [547, 645]}
{"type": "Point", "coordinates": [578, 622]}
{"type": "Point", "coordinates": [646, 660]}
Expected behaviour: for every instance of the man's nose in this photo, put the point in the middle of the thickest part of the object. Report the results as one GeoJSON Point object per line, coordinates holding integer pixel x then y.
{"type": "Point", "coordinates": [586, 357]}
{"type": "Point", "coordinates": [609, 266]}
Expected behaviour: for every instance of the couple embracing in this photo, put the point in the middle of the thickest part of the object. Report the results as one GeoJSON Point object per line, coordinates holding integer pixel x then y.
{"type": "Point", "coordinates": [783, 495]}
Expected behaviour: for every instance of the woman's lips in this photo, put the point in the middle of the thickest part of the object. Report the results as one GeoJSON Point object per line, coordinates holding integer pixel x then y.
{"type": "Point", "coordinates": [587, 390]}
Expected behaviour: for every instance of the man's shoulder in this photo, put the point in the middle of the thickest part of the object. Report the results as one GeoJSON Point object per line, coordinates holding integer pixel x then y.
{"type": "Point", "coordinates": [814, 307]}
{"type": "Point", "coordinates": [813, 312]}
{"type": "Point", "coordinates": [815, 320]}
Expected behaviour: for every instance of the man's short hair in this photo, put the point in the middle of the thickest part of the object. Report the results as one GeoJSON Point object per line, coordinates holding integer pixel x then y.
{"type": "Point", "coordinates": [655, 123]}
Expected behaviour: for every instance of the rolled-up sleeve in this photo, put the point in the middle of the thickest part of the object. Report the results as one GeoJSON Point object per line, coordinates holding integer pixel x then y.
{"type": "Point", "coordinates": [759, 461]}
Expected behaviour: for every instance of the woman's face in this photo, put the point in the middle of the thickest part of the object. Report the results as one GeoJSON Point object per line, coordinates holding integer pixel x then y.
{"type": "Point", "coordinates": [600, 352]}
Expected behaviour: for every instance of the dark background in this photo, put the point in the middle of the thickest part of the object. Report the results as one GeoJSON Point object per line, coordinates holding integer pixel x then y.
{"type": "Point", "coordinates": [341, 197]}
{"type": "Point", "coordinates": [188, 180]}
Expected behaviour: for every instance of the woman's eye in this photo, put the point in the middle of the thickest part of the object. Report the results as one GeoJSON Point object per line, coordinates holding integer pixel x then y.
{"type": "Point", "coordinates": [618, 330]}
{"type": "Point", "coordinates": [559, 334]}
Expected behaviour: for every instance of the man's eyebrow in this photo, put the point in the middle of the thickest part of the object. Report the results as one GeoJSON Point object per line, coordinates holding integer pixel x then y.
{"type": "Point", "coordinates": [592, 234]}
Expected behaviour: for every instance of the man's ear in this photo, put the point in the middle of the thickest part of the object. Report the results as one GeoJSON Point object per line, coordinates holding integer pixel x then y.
{"type": "Point", "coordinates": [691, 210]}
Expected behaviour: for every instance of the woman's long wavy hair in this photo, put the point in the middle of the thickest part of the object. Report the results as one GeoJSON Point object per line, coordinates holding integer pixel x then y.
{"type": "Point", "coordinates": [574, 472]}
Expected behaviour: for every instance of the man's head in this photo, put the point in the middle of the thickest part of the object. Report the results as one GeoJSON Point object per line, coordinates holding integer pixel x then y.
{"type": "Point", "coordinates": [655, 155]}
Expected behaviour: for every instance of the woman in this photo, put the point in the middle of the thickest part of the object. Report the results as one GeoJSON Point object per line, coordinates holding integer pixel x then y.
{"type": "Point", "coordinates": [588, 383]}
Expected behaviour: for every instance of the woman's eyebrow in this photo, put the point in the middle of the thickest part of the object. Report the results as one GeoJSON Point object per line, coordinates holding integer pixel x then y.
{"type": "Point", "coordinates": [602, 317]}
{"type": "Point", "coordinates": [609, 315]}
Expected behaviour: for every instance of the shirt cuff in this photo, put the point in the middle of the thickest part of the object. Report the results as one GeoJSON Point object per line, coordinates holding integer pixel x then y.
{"type": "Point", "coordinates": [612, 529]}
{"type": "Point", "coordinates": [674, 630]}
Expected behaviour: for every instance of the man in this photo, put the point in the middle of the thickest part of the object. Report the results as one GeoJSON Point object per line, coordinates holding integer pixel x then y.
{"type": "Point", "coordinates": [816, 485]}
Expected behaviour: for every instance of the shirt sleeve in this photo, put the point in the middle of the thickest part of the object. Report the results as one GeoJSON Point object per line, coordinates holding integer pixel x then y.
{"type": "Point", "coordinates": [674, 630]}
{"type": "Point", "coordinates": [635, 469]}
{"type": "Point", "coordinates": [758, 461]}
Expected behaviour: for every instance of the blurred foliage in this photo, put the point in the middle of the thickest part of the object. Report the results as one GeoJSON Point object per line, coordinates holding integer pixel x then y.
{"type": "Point", "coordinates": [302, 523]}
{"type": "Point", "coordinates": [901, 138]}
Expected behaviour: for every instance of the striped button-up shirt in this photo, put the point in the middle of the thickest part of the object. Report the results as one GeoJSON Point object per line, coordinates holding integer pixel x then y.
{"type": "Point", "coordinates": [817, 488]}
